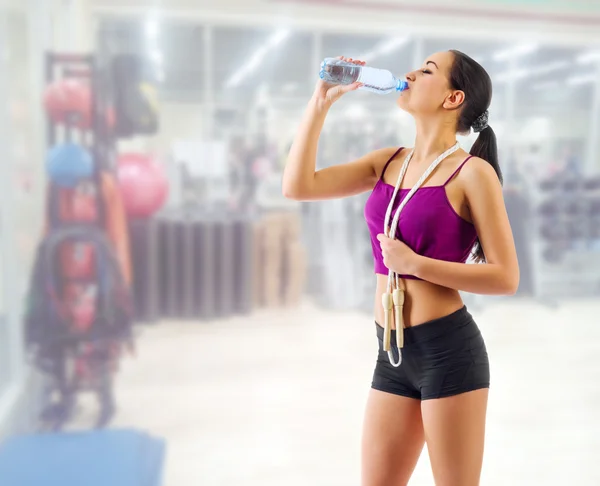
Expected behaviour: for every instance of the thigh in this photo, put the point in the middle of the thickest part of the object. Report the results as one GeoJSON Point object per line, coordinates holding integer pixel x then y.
{"type": "Point", "coordinates": [455, 434]}
{"type": "Point", "coordinates": [392, 439]}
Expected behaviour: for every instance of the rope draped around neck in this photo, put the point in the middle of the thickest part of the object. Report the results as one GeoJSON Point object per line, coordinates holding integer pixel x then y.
{"type": "Point", "coordinates": [393, 299]}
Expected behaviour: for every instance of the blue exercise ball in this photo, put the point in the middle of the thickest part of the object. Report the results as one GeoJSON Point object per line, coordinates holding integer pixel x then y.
{"type": "Point", "coordinates": [69, 163]}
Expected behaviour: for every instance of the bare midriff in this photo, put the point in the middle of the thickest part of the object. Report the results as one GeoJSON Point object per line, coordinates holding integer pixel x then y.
{"type": "Point", "coordinates": [423, 302]}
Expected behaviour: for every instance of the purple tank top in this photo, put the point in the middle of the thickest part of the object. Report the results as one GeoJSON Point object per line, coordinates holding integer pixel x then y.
{"type": "Point", "coordinates": [428, 224]}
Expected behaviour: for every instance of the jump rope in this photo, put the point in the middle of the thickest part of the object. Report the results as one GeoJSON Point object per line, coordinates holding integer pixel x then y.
{"type": "Point", "coordinates": [393, 299]}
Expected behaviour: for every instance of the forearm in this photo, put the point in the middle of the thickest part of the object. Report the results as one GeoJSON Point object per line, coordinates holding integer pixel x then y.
{"type": "Point", "coordinates": [486, 279]}
{"type": "Point", "coordinates": [299, 172]}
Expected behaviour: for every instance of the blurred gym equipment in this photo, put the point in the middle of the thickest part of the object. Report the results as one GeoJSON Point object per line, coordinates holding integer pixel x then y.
{"type": "Point", "coordinates": [68, 164]}
{"type": "Point", "coordinates": [143, 185]}
{"type": "Point", "coordinates": [567, 233]}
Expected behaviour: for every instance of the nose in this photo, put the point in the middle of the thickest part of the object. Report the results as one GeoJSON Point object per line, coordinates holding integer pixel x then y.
{"type": "Point", "coordinates": [411, 76]}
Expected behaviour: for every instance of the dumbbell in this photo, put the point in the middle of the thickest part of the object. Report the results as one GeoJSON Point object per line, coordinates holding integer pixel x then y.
{"type": "Point", "coordinates": [594, 217]}
{"type": "Point", "coordinates": [548, 185]}
{"type": "Point", "coordinates": [553, 254]}
{"type": "Point", "coordinates": [594, 227]}
{"type": "Point", "coordinates": [594, 206]}
{"type": "Point", "coordinates": [572, 184]}
{"type": "Point", "coordinates": [553, 231]}
{"type": "Point", "coordinates": [549, 208]}
{"type": "Point", "coordinates": [592, 184]}
{"type": "Point", "coordinates": [578, 218]}
{"type": "Point", "coordinates": [576, 208]}
{"type": "Point", "coordinates": [578, 228]}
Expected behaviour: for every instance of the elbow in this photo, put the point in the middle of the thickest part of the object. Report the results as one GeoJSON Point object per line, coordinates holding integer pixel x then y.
{"type": "Point", "coordinates": [511, 284]}
{"type": "Point", "coordinates": [290, 193]}
{"type": "Point", "coordinates": [295, 192]}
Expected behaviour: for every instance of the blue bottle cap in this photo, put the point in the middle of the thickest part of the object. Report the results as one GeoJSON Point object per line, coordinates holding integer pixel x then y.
{"type": "Point", "coordinates": [402, 85]}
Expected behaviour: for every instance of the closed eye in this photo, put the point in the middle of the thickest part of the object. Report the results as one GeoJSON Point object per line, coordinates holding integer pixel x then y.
{"type": "Point", "coordinates": [426, 71]}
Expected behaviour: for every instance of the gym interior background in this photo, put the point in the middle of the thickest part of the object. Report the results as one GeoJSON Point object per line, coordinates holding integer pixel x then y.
{"type": "Point", "coordinates": [167, 318]}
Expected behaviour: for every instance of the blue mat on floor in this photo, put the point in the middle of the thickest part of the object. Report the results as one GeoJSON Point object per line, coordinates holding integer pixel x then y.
{"type": "Point", "coordinates": [95, 458]}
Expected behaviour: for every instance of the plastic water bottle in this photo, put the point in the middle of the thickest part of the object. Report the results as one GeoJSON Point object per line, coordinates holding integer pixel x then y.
{"type": "Point", "coordinates": [380, 81]}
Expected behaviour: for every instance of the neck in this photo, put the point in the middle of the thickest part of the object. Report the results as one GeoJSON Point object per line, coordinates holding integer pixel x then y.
{"type": "Point", "coordinates": [434, 137]}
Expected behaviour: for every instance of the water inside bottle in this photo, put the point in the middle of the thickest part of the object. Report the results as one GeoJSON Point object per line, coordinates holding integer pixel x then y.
{"type": "Point", "coordinates": [379, 81]}
{"type": "Point", "coordinates": [340, 74]}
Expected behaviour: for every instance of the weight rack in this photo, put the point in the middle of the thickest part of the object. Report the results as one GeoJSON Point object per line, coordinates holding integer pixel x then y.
{"type": "Point", "coordinates": [66, 360]}
{"type": "Point", "coordinates": [566, 242]}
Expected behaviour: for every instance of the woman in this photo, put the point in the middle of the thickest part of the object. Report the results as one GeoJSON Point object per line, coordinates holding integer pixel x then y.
{"type": "Point", "coordinates": [438, 393]}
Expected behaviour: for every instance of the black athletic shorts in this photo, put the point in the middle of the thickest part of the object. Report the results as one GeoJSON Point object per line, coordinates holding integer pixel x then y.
{"type": "Point", "coordinates": [440, 358]}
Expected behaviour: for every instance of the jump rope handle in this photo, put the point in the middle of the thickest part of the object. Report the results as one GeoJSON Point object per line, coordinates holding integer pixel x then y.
{"type": "Point", "coordinates": [398, 297]}
{"type": "Point", "coordinates": [386, 301]}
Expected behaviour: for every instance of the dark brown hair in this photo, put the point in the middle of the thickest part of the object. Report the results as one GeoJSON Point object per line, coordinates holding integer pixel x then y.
{"type": "Point", "coordinates": [468, 76]}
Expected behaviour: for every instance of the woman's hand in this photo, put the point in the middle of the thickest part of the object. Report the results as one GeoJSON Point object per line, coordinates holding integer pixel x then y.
{"type": "Point", "coordinates": [326, 94]}
{"type": "Point", "coordinates": [397, 256]}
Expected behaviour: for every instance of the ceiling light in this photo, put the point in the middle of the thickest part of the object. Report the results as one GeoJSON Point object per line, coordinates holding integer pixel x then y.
{"type": "Point", "coordinates": [532, 71]}
{"type": "Point", "coordinates": [546, 85]}
{"type": "Point", "coordinates": [391, 45]}
{"type": "Point", "coordinates": [278, 37]}
{"type": "Point", "coordinates": [156, 56]}
{"type": "Point", "coordinates": [583, 79]}
{"type": "Point", "coordinates": [516, 51]}
{"type": "Point", "coordinates": [588, 57]}
{"type": "Point", "coordinates": [272, 42]}
{"type": "Point", "coordinates": [384, 48]}
{"type": "Point", "coordinates": [152, 29]}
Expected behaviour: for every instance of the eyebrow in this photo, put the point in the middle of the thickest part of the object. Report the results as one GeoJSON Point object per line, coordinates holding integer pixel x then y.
{"type": "Point", "coordinates": [431, 62]}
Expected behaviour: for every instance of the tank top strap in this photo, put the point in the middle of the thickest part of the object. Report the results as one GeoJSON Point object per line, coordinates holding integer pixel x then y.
{"type": "Point", "coordinates": [388, 162]}
{"type": "Point", "coordinates": [458, 170]}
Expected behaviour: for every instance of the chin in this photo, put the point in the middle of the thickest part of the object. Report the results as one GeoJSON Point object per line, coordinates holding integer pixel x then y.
{"type": "Point", "coordinates": [402, 103]}
{"type": "Point", "coordinates": [404, 107]}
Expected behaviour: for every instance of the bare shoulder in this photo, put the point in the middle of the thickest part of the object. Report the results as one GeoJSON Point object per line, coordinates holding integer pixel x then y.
{"type": "Point", "coordinates": [382, 156]}
{"type": "Point", "coordinates": [478, 171]}
{"type": "Point", "coordinates": [480, 182]}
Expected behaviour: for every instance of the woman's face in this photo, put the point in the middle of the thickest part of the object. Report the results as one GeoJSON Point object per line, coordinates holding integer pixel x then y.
{"type": "Point", "coordinates": [428, 87]}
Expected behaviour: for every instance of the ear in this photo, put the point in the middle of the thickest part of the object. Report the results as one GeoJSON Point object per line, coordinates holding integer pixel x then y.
{"type": "Point", "coordinates": [454, 100]}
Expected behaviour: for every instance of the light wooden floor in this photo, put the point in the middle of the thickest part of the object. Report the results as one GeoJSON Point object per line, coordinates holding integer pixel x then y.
{"type": "Point", "coordinates": [277, 398]}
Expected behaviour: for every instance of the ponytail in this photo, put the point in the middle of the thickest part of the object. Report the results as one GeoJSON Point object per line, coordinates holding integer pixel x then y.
{"type": "Point", "coordinates": [485, 148]}
{"type": "Point", "coordinates": [469, 76]}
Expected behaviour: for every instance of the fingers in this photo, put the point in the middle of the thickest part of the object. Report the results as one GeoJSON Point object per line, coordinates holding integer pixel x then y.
{"type": "Point", "coordinates": [333, 94]}
{"type": "Point", "coordinates": [387, 243]}
{"type": "Point", "coordinates": [352, 87]}
{"type": "Point", "coordinates": [353, 61]}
